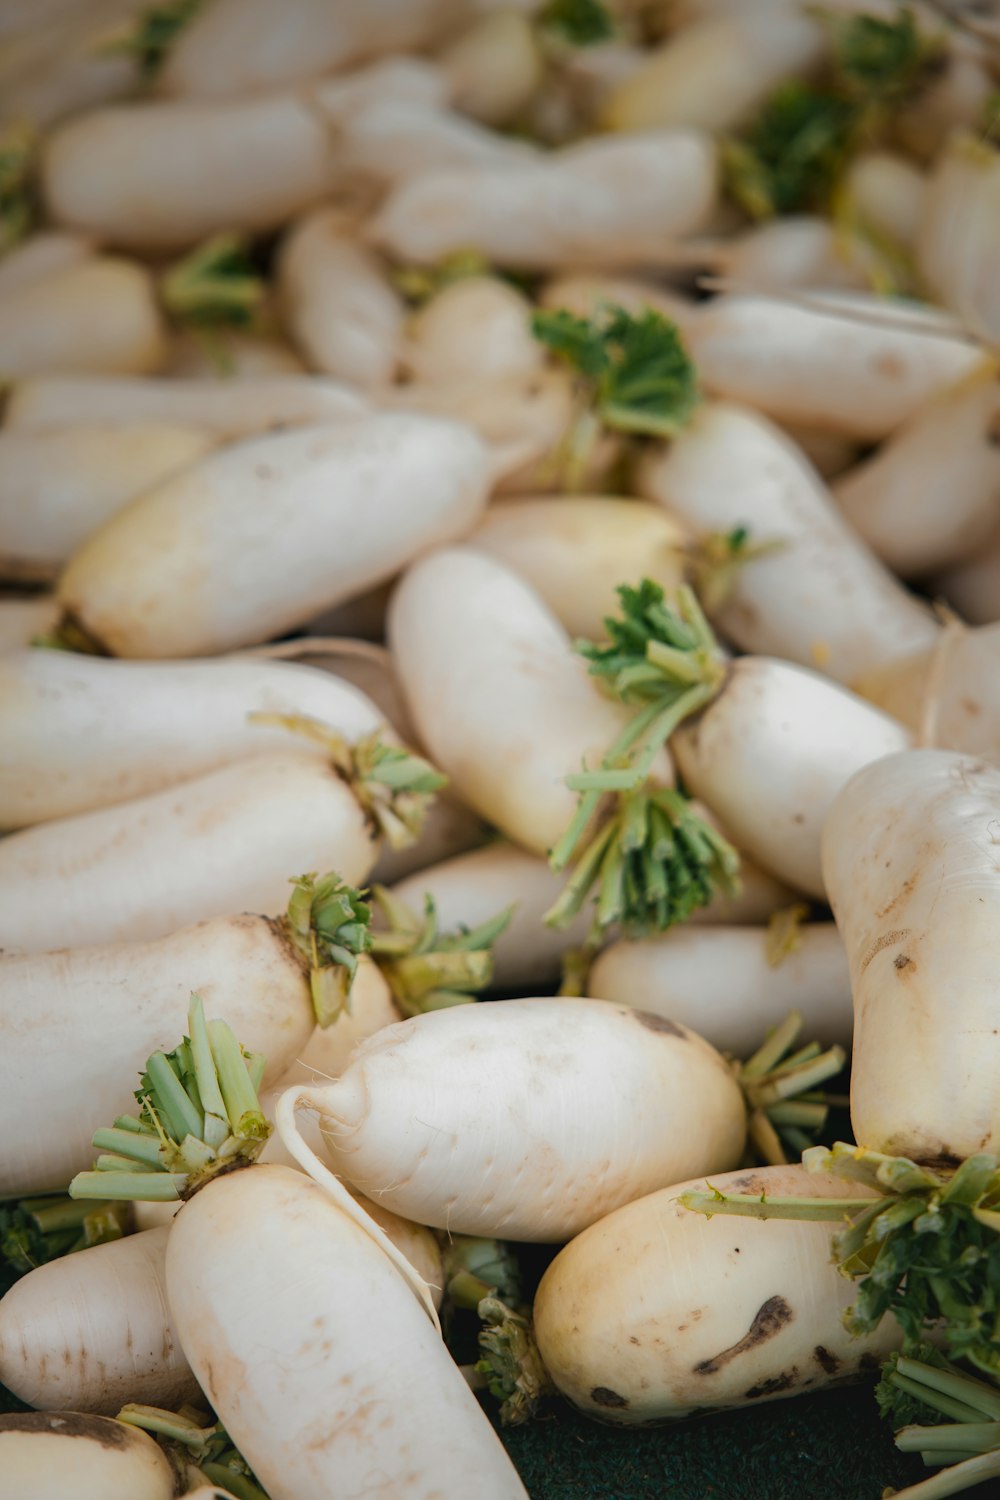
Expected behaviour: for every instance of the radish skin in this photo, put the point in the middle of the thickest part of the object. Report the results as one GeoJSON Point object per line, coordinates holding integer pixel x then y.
{"type": "Point", "coordinates": [234, 356]}
{"type": "Point", "coordinates": [949, 697]}
{"type": "Point", "coordinates": [40, 256]}
{"type": "Point", "coordinates": [439, 350]}
{"type": "Point", "coordinates": [98, 316]}
{"type": "Point", "coordinates": [82, 732]}
{"type": "Point", "coordinates": [248, 1268]}
{"type": "Point", "coordinates": [886, 192]}
{"type": "Point", "coordinates": [494, 68]}
{"type": "Point", "coordinates": [719, 981]}
{"type": "Point", "coordinates": [324, 1054]}
{"type": "Point", "coordinates": [389, 141]}
{"type": "Point", "coordinates": [221, 843]}
{"type": "Point", "coordinates": [56, 488]}
{"type": "Point", "coordinates": [958, 234]}
{"type": "Point", "coordinates": [43, 1454]}
{"type": "Point", "coordinates": [449, 1158]}
{"type": "Point", "coordinates": [257, 538]}
{"type": "Point", "coordinates": [819, 598]}
{"type": "Point", "coordinates": [92, 1331]}
{"type": "Point", "coordinates": [771, 752]}
{"type": "Point", "coordinates": [584, 294]}
{"type": "Point", "coordinates": [973, 586]}
{"type": "Point", "coordinates": [652, 1315]}
{"type": "Point", "coordinates": [910, 862]}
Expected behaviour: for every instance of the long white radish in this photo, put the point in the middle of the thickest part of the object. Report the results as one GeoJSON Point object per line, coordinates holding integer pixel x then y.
{"type": "Point", "coordinates": [910, 863]}
{"type": "Point", "coordinates": [43, 1454]}
{"type": "Point", "coordinates": [60, 65]}
{"type": "Point", "coordinates": [958, 234]}
{"type": "Point", "coordinates": [556, 1112]}
{"type": "Point", "coordinates": [221, 843]}
{"type": "Point", "coordinates": [230, 409]}
{"type": "Point", "coordinates": [338, 303]}
{"type": "Point", "coordinates": [771, 752]}
{"type": "Point", "coordinates": [91, 1331]}
{"type": "Point", "coordinates": [795, 251]}
{"type": "Point", "coordinates": [439, 349]}
{"type": "Point", "coordinates": [246, 164]}
{"type": "Point", "coordinates": [973, 586]}
{"type": "Point", "coordinates": [838, 363]}
{"type": "Point", "coordinates": [82, 732]}
{"type": "Point", "coordinates": [21, 620]}
{"type": "Point", "coordinates": [418, 80]}
{"type": "Point", "coordinates": [949, 696]}
{"type": "Point", "coordinates": [819, 597]}
{"type": "Point", "coordinates": [602, 203]}
{"type": "Point", "coordinates": [259, 537]}
{"type": "Point", "coordinates": [498, 696]}
{"type": "Point", "coordinates": [39, 256]}
{"type": "Point", "coordinates": [950, 447]}
{"type": "Point", "coordinates": [585, 293]}
{"type": "Point", "coordinates": [357, 1395]}
{"type": "Point", "coordinates": [99, 316]}
{"type": "Point", "coordinates": [56, 488]}
{"type": "Point", "coordinates": [730, 1312]}
{"type": "Point", "coordinates": [722, 982]}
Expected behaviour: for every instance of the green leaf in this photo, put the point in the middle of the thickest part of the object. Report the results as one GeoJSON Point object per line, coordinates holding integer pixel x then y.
{"type": "Point", "coordinates": [150, 37]}
{"type": "Point", "coordinates": [791, 157]}
{"type": "Point", "coordinates": [18, 148]}
{"type": "Point", "coordinates": [879, 60]}
{"type": "Point", "coordinates": [582, 23]}
{"type": "Point", "coordinates": [215, 286]}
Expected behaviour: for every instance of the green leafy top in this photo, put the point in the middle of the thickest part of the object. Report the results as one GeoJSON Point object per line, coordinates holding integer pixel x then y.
{"type": "Point", "coordinates": [18, 147]}
{"type": "Point", "coordinates": [215, 286]}
{"type": "Point", "coordinates": [327, 922]}
{"type": "Point", "coordinates": [34, 1231]}
{"type": "Point", "coordinates": [897, 1399]}
{"type": "Point", "coordinates": [425, 968]}
{"type": "Point", "coordinates": [510, 1361]}
{"type": "Point", "coordinates": [635, 369]}
{"type": "Point", "coordinates": [191, 1435]}
{"type": "Point", "coordinates": [581, 23]}
{"type": "Point", "coordinates": [880, 61]}
{"type": "Point", "coordinates": [151, 35]}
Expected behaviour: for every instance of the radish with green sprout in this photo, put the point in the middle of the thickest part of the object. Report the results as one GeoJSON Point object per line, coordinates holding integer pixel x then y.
{"type": "Point", "coordinates": [92, 1458]}
{"type": "Point", "coordinates": [950, 447]}
{"type": "Point", "coordinates": [949, 696]}
{"type": "Point", "coordinates": [586, 294]}
{"type": "Point", "coordinates": [438, 349]}
{"type": "Point", "coordinates": [816, 595]}
{"type": "Point", "coordinates": [228, 409]}
{"type": "Point", "coordinates": [229, 355]}
{"type": "Point", "coordinates": [603, 202]}
{"type": "Point", "coordinates": [221, 843]}
{"type": "Point", "coordinates": [339, 306]}
{"type": "Point", "coordinates": [97, 316]}
{"type": "Point", "coordinates": [730, 1314]}
{"type": "Point", "coordinates": [347, 1352]}
{"type": "Point", "coordinates": [242, 164]}
{"type": "Point", "coordinates": [83, 1016]}
{"type": "Point", "coordinates": [579, 1149]}
{"type": "Point", "coordinates": [255, 539]}
{"type": "Point", "coordinates": [56, 488]}
{"type": "Point", "coordinates": [84, 732]}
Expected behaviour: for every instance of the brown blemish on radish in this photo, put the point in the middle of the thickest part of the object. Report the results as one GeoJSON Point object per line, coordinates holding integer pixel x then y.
{"type": "Point", "coordinates": [659, 1023]}
{"type": "Point", "coordinates": [602, 1396]}
{"type": "Point", "coordinates": [885, 941]}
{"type": "Point", "coordinates": [769, 1319]}
{"type": "Point", "coordinates": [827, 1361]}
{"type": "Point", "coordinates": [771, 1387]}
{"type": "Point", "coordinates": [903, 961]}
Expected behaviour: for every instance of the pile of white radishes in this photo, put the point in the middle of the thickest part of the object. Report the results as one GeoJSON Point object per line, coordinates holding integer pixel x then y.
{"type": "Point", "coordinates": [315, 478]}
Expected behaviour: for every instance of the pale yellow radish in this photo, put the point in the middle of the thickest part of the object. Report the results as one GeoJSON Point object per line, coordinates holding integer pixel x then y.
{"type": "Point", "coordinates": [43, 1454]}
{"type": "Point", "coordinates": [494, 66]}
{"type": "Point", "coordinates": [478, 328]}
{"type": "Point", "coordinates": [973, 586]}
{"type": "Point", "coordinates": [885, 190]}
{"type": "Point", "coordinates": [949, 696]}
{"type": "Point", "coordinates": [98, 316]}
{"type": "Point", "coordinates": [39, 256]}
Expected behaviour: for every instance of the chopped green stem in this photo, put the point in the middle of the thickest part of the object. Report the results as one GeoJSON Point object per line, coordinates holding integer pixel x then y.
{"type": "Point", "coordinates": [953, 1480]}
{"type": "Point", "coordinates": [214, 284]}
{"type": "Point", "coordinates": [427, 969]}
{"type": "Point", "coordinates": [174, 1105]}
{"type": "Point", "coordinates": [766, 1206]}
{"type": "Point", "coordinates": [717, 561]}
{"type": "Point", "coordinates": [419, 283]}
{"type": "Point", "coordinates": [240, 1485]}
{"type": "Point", "coordinates": [477, 1268]}
{"type": "Point", "coordinates": [771, 1051]}
{"type": "Point", "coordinates": [242, 1106]}
{"type": "Point", "coordinates": [34, 1231]}
{"type": "Point", "coordinates": [147, 1187]}
{"type": "Point", "coordinates": [765, 1139]}
{"type": "Point", "coordinates": [963, 1437]}
{"type": "Point", "coordinates": [328, 923]}
{"type": "Point", "coordinates": [206, 1442]}
{"type": "Point", "coordinates": [957, 1410]}
{"type": "Point", "coordinates": [777, 1084]}
{"type": "Point", "coordinates": [128, 1145]}
{"type": "Point", "coordinates": [976, 1395]}
{"type": "Point", "coordinates": [511, 1362]}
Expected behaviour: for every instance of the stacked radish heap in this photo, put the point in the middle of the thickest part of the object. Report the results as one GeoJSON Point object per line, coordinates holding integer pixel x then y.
{"type": "Point", "coordinates": [494, 501]}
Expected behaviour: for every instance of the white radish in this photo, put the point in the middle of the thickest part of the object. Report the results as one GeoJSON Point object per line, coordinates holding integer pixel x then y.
{"type": "Point", "coordinates": [39, 256]}
{"type": "Point", "coordinates": [229, 409]}
{"type": "Point", "coordinates": [91, 1331]}
{"type": "Point", "coordinates": [951, 447]}
{"type": "Point", "coordinates": [417, 80]}
{"type": "Point", "coordinates": [98, 316]}
{"type": "Point", "coordinates": [949, 696]}
{"type": "Point", "coordinates": [838, 363]}
{"type": "Point", "coordinates": [716, 73]}
{"type": "Point", "coordinates": [223, 842]}
{"type": "Point", "coordinates": [973, 586]}
{"type": "Point", "coordinates": [771, 752]}
{"type": "Point", "coordinates": [387, 141]}
{"type": "Point", "coordinates": [43, 1454]}
{"type": "Point", "coordinates": [585, 293]}
{"type": "Point", "coordinates": [494, 67]}
{"type": "Point", "coordinates": [338, 303]}
{"type": "Point", "coordinates": [731, 1312]}
{"type": "Point", "coordinates": [255, 539]}
{"type": "Point", "coordinates": [324, 1055]}
{"type": "Point", "coordinates": [230, 355]}
{"type": "Point", "coordinates": [910, 863]}
{"type": "Point", "coordinates": [165, 175]}
{"type": "Point", "coordinates": [576, 550]}
{"type": "Point", "coordinates": [958, 234]}
{"type": "Point", "coordinates": [602, 203]}
{"type": "Point", "coordinates": [556, 1111]}
{"type": "Point", "coordinates": [352, 1395]}
{"type": "Point", "coordinates": [885, 191]}
{"type": "Point", "coordinates": [440, 350]}
{"type": "Point", "coordinates": [56, 488]}
{"type": "Point", "coordinates": [498, 696]}
{"type": "Point", "coordinates": [60, 65]}
{"type": "Point", "coordinates": [820, 597]}
{"type": "Point", "coordinates": [21, 620]}
{"type": "Point", "coordinates": [795, 251]}
{"type": "Point", "coordinates": [83, 732]}
{"type": "Point", "coordinates": [722, 982]}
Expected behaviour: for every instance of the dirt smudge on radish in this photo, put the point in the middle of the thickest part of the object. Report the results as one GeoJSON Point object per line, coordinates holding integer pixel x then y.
{"type": "Point", "coordinates": [769, 1319]}
{"type": "Point", "coordinates": [659, 1023]}
{"type": "Point", "coordinates": [602, 1396]}
{"type": "Point", "coordinates": [782, 1382]}
{"type": "Point", "coordinates": [885, 941]}
{"type": "Point", "coordinates": [826, 1361]}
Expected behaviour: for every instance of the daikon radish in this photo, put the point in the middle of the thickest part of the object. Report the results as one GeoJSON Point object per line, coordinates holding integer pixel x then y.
{"type": "Point", "coordinates": [21, 620]}
{"type": "Point", "coordinates": [229, 355]}
{"type": "Point", "coordinates": [56, 488]}
{"type": "Point", "coordinates": [58, 66]}
{"type": "Point", "coordinates": [221, 843]}
{"type": "Point", "coordinates": [829, 453]}
{"type": "Point", "coordinates": [71, 1453]}
{"type": "Point", "coordinates": [338, 303]}
{"type": "Point", "coordinates": [234, 165]}
{"type": "Point", "coordinates": [387, 141]}
{"type": "Point", "coordinates": [230, 410]}
{"type": "Point", "coordinates": [727, 1313]}
{"type": "Point", "coordinates": [604, 202]}
{"type": "Point", "coordinates": [910, 863]}
{"type": "Point", "coordinates": [574, 551]}
{"type": "Point", "coordinates": [958, 234]}
{"type": "Point", "coordinates": [886, 192]}
{"type": "Point", "coordinates": [950, 447]}
{"type": "Point", "coordinates": [83, 732]}
{"type": "Point", "coordinates": [439, 348]}
{"type": "Point", "coordinates": [259, 537]}
{"type": "Point", "coordinates": [584, 295]}
{"type": "Point", "coordinates": [418, 80]}
{"type": "Point", "coordinates": [234, 49]}
{"type": "Point", "coordinates": [949, 696]}
{"type": "Point", "coordinates": [497, 695]}
{"type": "Point", "coordinates": [837, 363]}
{"type": "Point", "coordinates": [715, 73]}
{"type": "Point", "coordinates": [324, 1055]}
{"type": "Point", "coordinates": [363, 663]}
{"type": "Point", "coordinates": [973, 586]}
{"type": "Point", "coordinates": [771, 752]}
{"type": "Point", "coordinates": [819, 597]}
{"type": "Point", "coordinates": [39, 256]}
{"type": "Point", "coordinates": [91, 1331]}
{"type": "Point", "coordinates": [454, 1159]}
{"type": "Point", "coordinates": [494, 67]}
{"type": "Point", "coordinates": [723, 982]}
{"type": "Point", "coordinates": [795, 251]}
{"type": "Point", "coordinates": [99, 315]}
